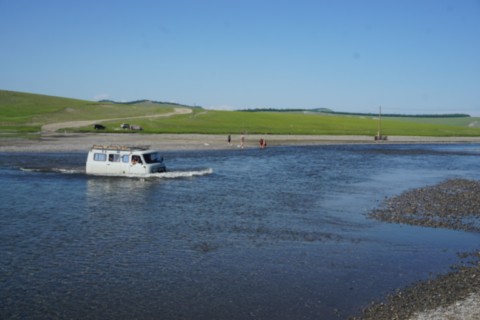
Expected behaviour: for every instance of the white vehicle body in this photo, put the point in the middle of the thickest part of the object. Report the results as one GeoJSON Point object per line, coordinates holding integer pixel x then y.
{"type": "Point", "coordinates": [123, 161]}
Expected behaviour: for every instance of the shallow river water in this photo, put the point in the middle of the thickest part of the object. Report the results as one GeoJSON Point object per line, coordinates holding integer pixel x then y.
{"type": "Point", "coordinates": [279, 233]}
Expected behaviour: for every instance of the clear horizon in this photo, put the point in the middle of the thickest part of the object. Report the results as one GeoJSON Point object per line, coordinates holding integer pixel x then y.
{"type": "Point", "coordinates": [408, 57]}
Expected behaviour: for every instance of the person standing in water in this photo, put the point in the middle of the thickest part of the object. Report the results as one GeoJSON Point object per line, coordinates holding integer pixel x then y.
{"type": "Point", "coordinates": [263, 143]}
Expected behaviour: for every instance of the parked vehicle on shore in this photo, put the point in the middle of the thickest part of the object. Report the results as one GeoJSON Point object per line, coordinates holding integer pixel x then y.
{"type": "Point", "coordinates": [135, 127]}
{"type": "Point", "coordinates": [123, 161]}
{"type": "Point", "coordinates": [98, 126]}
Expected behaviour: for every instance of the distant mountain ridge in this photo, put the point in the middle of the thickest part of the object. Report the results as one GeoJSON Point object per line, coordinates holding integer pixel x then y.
{"type": "Point", "coordinates": [360, 114]}
{"type": "Point", "coordinates": [34, 98]}
{"type": "Point", "coordinates": [146, 101]}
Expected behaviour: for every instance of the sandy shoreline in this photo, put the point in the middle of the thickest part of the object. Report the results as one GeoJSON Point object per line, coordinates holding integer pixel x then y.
{"type": "Point", "coordinates": [82, 142]}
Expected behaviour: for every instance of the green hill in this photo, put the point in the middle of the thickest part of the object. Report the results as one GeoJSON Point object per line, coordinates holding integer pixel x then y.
{"type": "Point", "coordinates": [223, 122]}
{"type": "Point", "coordinates": [22, 113]}
{"type": "Point", "coordinates": [27, 113]}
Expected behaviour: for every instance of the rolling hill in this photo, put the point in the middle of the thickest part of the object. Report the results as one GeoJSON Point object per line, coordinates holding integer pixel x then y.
{"type": "Point", "coordinates": [26, 113]}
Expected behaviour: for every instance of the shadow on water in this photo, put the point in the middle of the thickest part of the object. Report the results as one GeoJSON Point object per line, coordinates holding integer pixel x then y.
{"type": "Point", "coordinates": [280, 233]}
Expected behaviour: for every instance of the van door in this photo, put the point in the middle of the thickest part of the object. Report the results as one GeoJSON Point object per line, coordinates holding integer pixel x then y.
{"type": "Point", "coordinates": [114, 166]}
{"type": "Point", "coordinates": [137, 165]}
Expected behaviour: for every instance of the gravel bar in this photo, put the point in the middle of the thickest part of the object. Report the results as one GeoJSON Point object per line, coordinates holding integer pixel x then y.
{"type": "Point", "coordinates": [452, 204]}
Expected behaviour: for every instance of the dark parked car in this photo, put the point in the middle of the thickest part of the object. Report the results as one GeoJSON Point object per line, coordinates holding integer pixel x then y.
{"type": "Point", "coordinates": [98, 126]}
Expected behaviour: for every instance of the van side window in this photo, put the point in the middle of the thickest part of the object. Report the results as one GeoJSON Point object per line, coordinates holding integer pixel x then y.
{"type": "Point", "coordinates": [136, 159]}
{"type": "Point", "coordinates": [114, 157]}
{"type": "Point", "coordinates": [99, 157]}
{"type": "Point", "coordinates": [125, 158]}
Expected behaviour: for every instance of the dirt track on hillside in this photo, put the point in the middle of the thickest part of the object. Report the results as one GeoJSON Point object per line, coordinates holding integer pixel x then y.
{"type": "Point", "coordinates": [52, 127]}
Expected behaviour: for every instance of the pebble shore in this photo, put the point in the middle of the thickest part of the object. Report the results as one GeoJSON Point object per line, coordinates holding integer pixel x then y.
{"type": "Point", "coordinates": [452, 204]}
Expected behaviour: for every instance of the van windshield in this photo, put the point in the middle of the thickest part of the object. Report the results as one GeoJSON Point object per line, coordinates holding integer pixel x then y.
{"type": "Point", "coordinates": [153, 157]}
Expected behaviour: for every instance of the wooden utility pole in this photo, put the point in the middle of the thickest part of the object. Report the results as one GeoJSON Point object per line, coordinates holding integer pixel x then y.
{"type": "Point", "coordinates": [379, 133]}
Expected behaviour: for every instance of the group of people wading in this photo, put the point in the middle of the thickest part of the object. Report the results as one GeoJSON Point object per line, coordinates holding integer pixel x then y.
{"type": "Point", "coordinates": [262, 143]}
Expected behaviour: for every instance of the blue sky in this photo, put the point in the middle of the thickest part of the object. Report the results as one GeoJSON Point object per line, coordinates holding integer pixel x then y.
{"type": "Point", "coordinates": [408, 56]}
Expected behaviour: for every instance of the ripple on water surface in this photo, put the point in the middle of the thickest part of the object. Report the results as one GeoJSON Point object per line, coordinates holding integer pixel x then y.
{"type": "Point", "coordinates": [281, 233]}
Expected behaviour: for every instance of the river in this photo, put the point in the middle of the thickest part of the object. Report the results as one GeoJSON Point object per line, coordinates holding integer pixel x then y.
{"type": "Point", "coordinates": [278, 233]}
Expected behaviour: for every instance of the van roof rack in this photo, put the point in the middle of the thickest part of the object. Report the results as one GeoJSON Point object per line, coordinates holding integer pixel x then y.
{"type": "Point", "coordinates": [120, 147]}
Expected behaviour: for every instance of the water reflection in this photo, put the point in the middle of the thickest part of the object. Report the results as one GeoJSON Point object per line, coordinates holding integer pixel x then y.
{"type": "Point", "coordinates": [116, 191]}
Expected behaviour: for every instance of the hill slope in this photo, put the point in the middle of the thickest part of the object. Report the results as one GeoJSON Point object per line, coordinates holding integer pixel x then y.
{"type": "Point", "coordinates": [27, 113]}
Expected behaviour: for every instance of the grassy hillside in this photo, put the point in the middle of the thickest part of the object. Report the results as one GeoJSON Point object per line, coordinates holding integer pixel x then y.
{"type": "Point", "coordinates": [222, 122]}
{"type": "Point", "coordinates": [20, 111]}
{"type": "Point", "coordinates": [26, 113]}
{"type": "Point", "coordinates": [471, 122]}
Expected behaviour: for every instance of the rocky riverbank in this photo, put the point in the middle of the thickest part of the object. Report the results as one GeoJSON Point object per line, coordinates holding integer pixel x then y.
{"type": "Point", "coordinates": [453, 204]}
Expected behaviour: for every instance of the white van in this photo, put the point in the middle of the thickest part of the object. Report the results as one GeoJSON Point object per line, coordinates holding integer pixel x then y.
{"type": "Point", "coordinates": [123, 161]}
